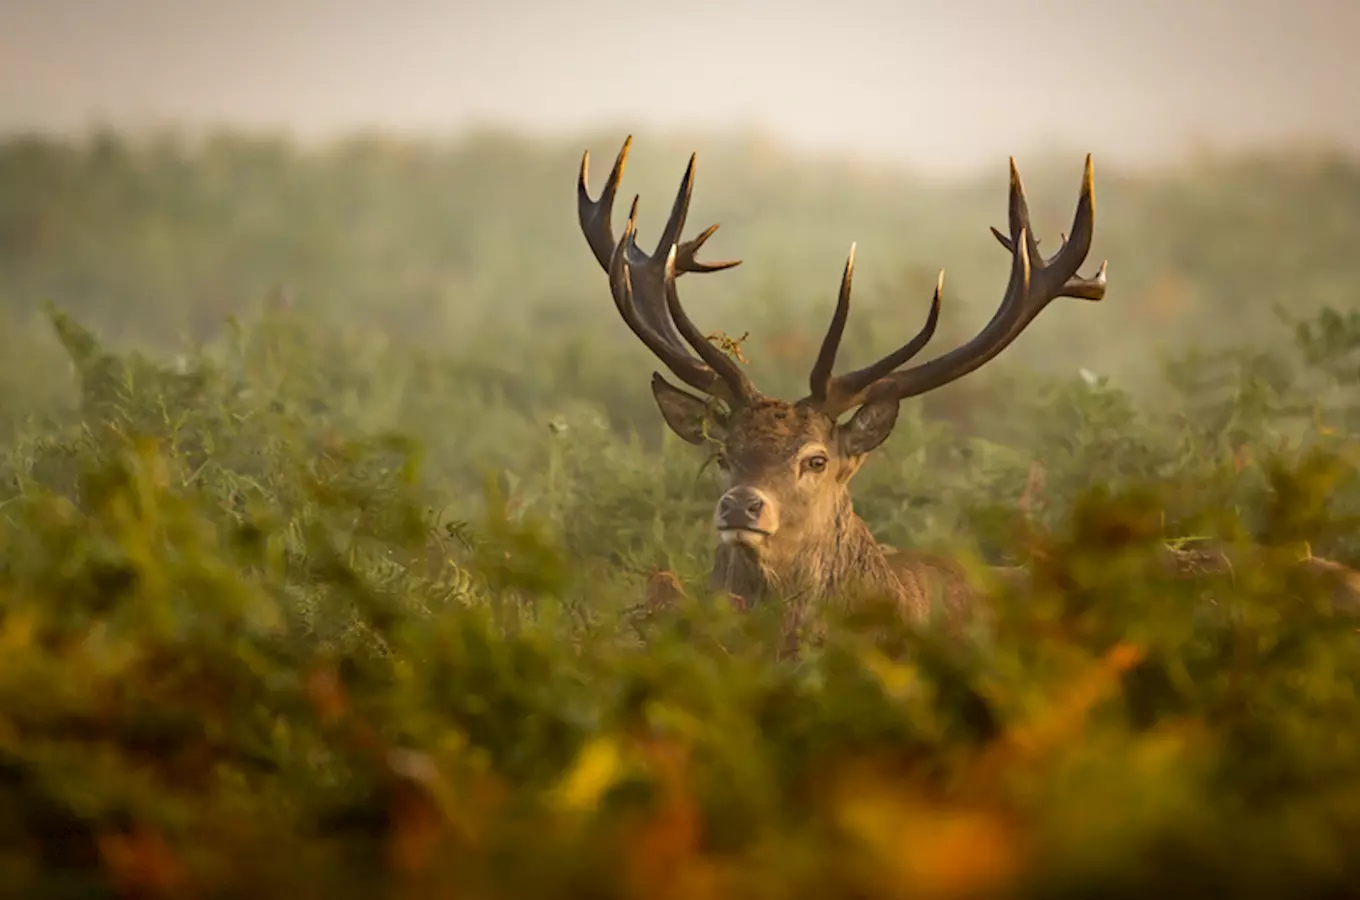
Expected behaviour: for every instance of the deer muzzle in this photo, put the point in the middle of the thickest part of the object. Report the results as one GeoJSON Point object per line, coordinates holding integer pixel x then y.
{"type": "Point", "coordinates": [745, 515]}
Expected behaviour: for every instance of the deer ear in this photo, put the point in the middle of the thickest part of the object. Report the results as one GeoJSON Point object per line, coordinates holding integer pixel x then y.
{"type": "Point", "coordinates": [868, 427]}
{"type": "Point", "coordinates": [687, 415]}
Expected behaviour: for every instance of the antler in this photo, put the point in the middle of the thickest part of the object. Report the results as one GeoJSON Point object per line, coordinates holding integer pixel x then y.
{"type": "Point", "coordinates": [714, 372]}
{"type": "Point", "coordinates": [1034, 283]}
{"type": "Point", "coordinates": [647, 271]}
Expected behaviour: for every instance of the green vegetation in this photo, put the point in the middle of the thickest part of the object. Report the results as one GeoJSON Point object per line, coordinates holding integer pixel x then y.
{"type": "Point", "coordinates": [331, 484]}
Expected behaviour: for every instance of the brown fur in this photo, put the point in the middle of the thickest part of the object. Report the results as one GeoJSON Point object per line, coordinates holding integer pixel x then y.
{"type": "Point", "coordinates": [788, 527]}
{"type": "Point", "coordinates": [1343, 581]}
{"type": "Point", "coordinates": [820, 552]}
{"type": "Point", "coordinates": [785, 521]}
{"type": "Point", "coordinates": [1207, 560]}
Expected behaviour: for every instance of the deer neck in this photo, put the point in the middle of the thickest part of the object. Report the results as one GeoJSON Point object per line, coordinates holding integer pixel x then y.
{"type": "Point", "coordinates": [838, 560]}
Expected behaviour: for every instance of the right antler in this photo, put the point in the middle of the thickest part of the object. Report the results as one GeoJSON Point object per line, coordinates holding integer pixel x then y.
{"type": "Point", "coordinates": [647, 271]}
{"type": "Point", "coordinates": [1034, 283]}
{"type": "Point", "coordinates": [596, 217]}
{"type": "Point", "coordinates": [644, 290]}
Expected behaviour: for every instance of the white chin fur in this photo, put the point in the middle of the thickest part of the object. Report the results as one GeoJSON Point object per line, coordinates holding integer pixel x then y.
{"type": "Point", "coordinates": [745, 538]}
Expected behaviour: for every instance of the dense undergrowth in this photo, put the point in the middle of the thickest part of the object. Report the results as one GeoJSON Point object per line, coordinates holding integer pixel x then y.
{"type": "Point", "coordinates": [308, 610]}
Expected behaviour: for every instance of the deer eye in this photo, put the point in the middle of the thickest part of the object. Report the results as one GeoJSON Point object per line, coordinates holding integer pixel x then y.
{"type": "Point", "coordinates": [814, 463]}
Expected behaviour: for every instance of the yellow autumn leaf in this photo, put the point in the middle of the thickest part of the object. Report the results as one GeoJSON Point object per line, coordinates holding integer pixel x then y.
{"type": "Point", "coordinates": [921, 849]}
{"type": "Point", "coordinates": [17, 630]}
{"type": "Point", "coordinates": [596, 769]}
{"type": "Point", "coordinates": [895, 678]}
{"type": "Point", "coordinates": [1068, 715]}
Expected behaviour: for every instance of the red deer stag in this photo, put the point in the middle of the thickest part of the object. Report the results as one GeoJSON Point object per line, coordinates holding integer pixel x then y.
{"type": "Point", "coordinates": [785, 522]}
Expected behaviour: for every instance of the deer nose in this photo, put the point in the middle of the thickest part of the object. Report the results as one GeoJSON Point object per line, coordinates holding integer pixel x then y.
{"type": "Point", "coordinates": [740, 508]}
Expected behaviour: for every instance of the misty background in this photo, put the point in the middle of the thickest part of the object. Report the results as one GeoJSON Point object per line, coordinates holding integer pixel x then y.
{"type": "Point", "coordinates": [332, 485]}
{"type": "Point", "coordinates": [407, 171]}
{"type": "Point", "coordinates": [938, 86]}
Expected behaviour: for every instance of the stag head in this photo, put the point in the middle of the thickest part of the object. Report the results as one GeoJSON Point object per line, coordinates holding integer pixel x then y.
{"type": "Point", "coordinates": [787, 465]}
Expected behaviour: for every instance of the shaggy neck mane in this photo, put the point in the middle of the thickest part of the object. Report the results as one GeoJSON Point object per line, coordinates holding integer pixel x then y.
{"type": "Point", "coordinates": [819, 569]}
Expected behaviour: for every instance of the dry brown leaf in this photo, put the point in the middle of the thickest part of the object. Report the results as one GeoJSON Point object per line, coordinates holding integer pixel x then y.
{"type": "Point", "coordinates": [141, 863]}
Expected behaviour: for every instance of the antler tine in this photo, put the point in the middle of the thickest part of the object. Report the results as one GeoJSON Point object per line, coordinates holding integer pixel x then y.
{"type": "Point", "coordinates": [596, 222]}
{"type": "Point", "coordinates": [837, 394]}
{"type": "Point", "coordinates": [819, 380]}
{"type": "Point", "coordinates": [649, 271]}
{"type": "Point", "coordinates": [1034, 283]}
{"type": "Point", "coordinates": [1071, 253]}
{"type": "Point", "coordinates": [684, 256]}
{"type": "Point", "coordinates": [1077, 287]}
{"type": "Point", "coordinates": [596, 216]}
{"type": "Point", "coordinates": [742, 390]}
{"type": "Point", "coordinates": [672, 353]}
{"type": "Point", "coordinates": [847, 391]}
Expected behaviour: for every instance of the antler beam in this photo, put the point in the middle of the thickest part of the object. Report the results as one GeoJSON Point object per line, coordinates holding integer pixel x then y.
{"type": "Point", "coordinates": [1034, 283]}
{"type": "Point", "coordinates": [643, 286]}
{"type": "Point", "coordinates": [647, 270]}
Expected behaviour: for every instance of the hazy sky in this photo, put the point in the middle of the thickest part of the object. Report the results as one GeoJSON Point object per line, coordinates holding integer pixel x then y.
{"type": "Point", "coordinates": [938, 84]}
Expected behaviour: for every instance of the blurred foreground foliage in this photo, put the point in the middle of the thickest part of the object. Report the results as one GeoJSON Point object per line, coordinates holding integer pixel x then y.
{"type": "Point", "coordinates": [309, 610]}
